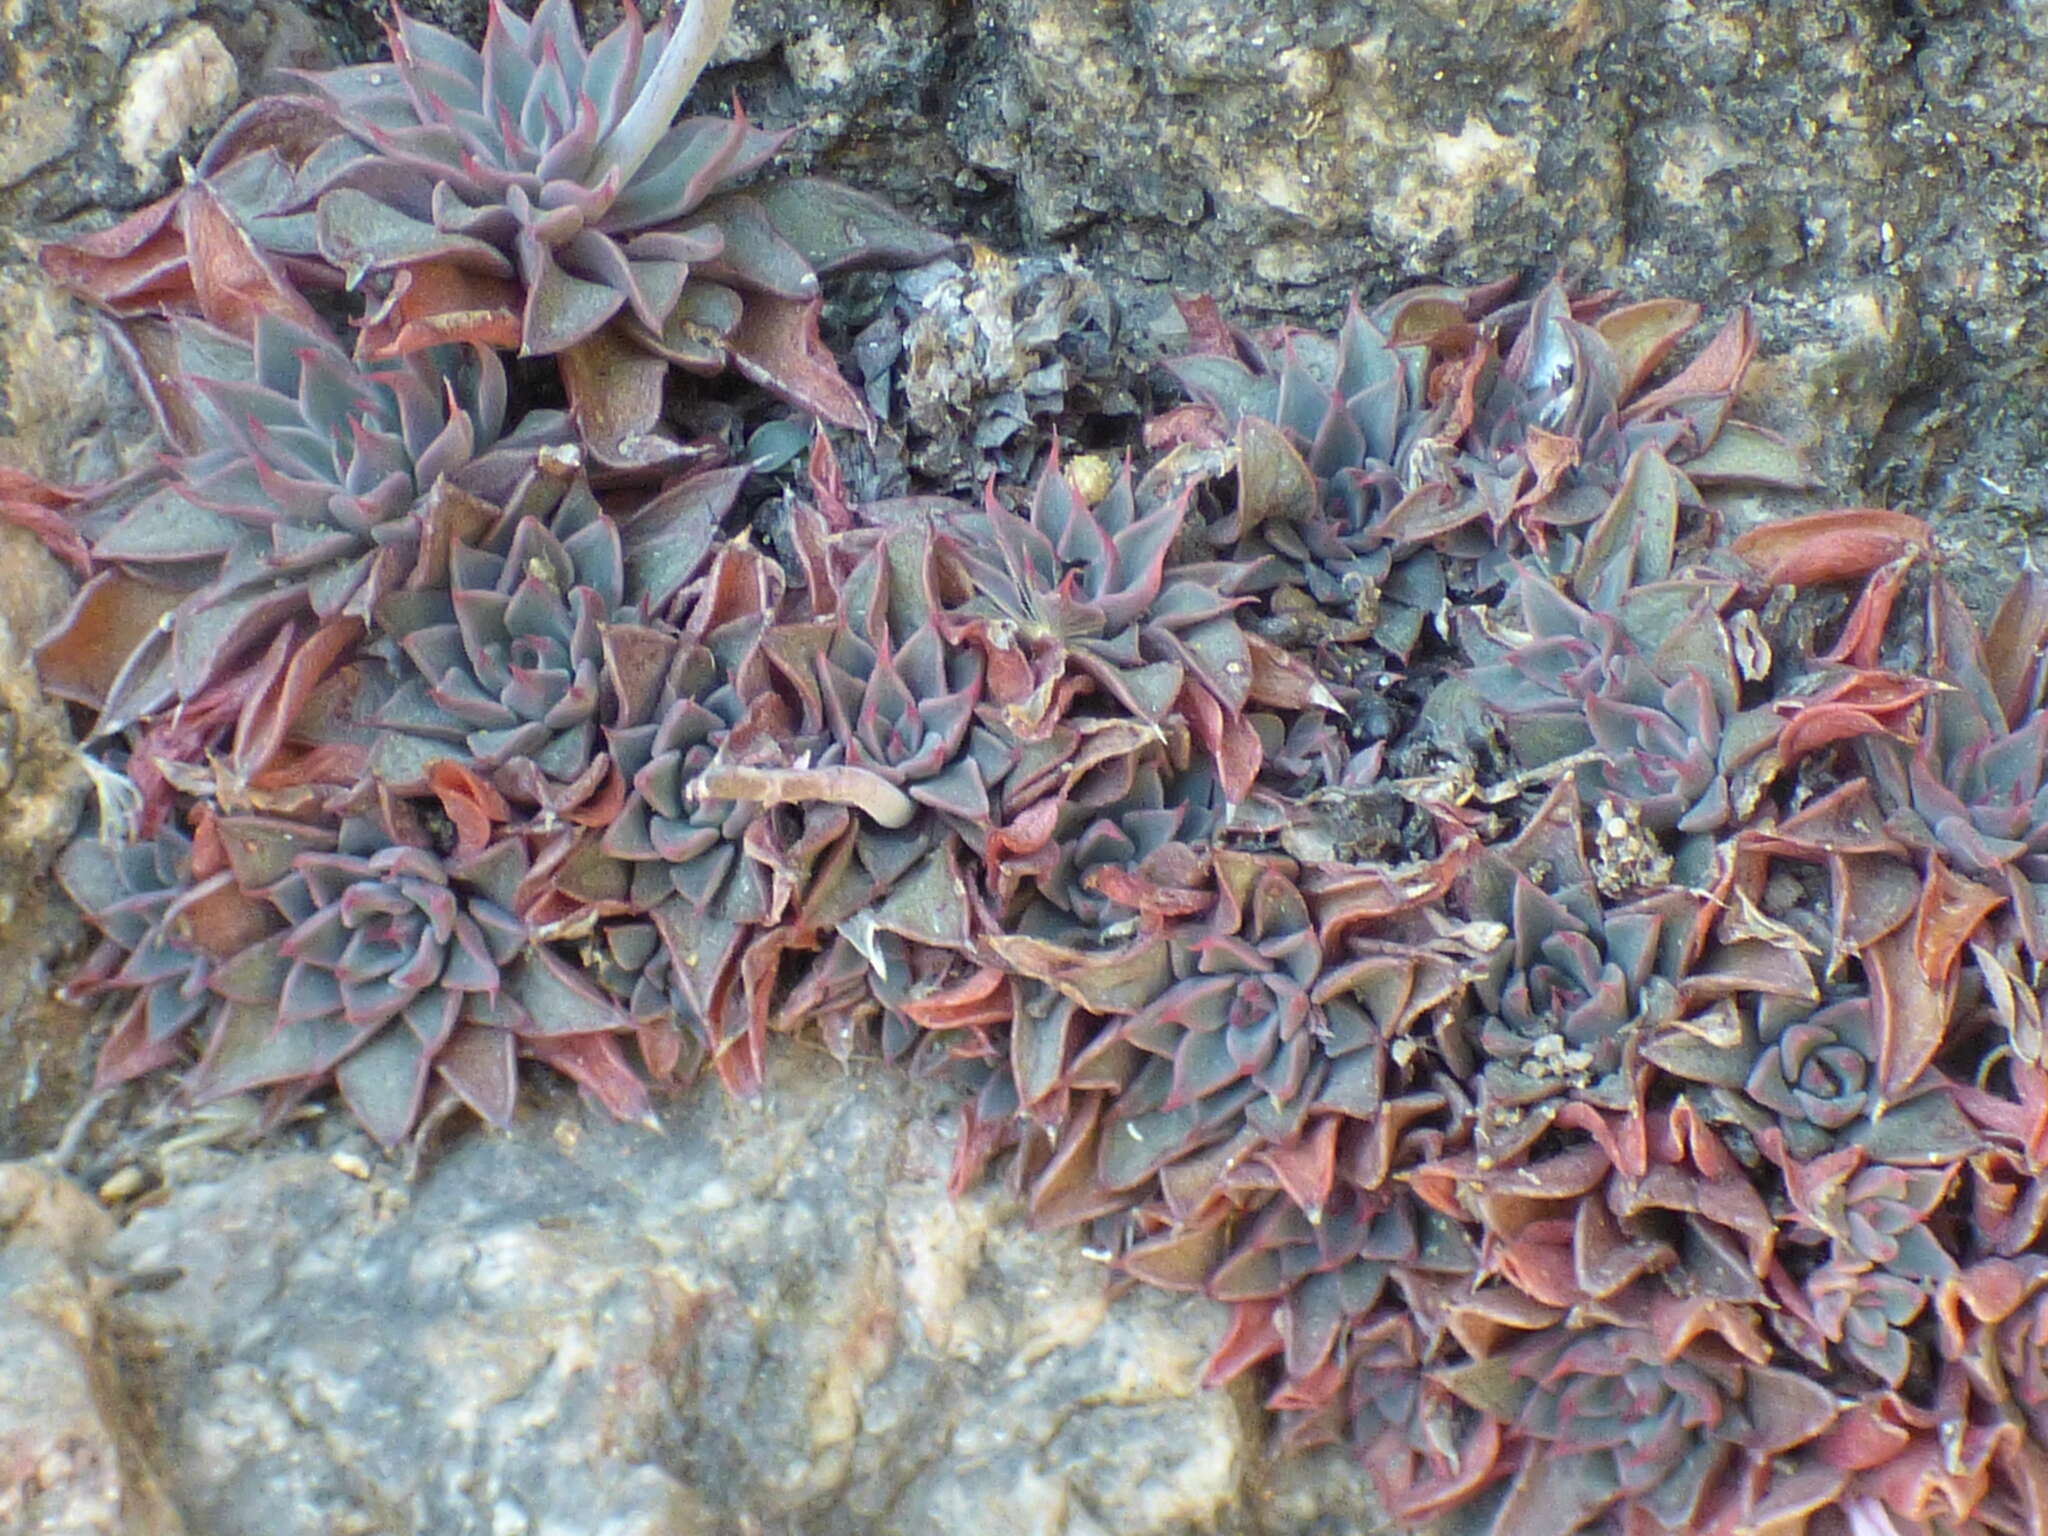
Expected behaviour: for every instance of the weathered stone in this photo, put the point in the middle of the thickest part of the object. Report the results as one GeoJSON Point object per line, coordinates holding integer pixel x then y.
{"type": "Point", "coordinates": [40, 779]}
{"type": "Point", "coordinates": [38, 120]}
{"type": "Point", "coordinates": [67, 414]}
{"type": "Point", "coordinates": [769, 1313]}
{"type": "Point", "coordinates": [70, 1462]}
{"type": "Point", "coordinates": [175, 91]}
{"type": "Point", "coordinates": [115, 26]}
{"type": "Point", "coordinates": [97, 96]}
{"type": "Point", "coordinates": [67, 411]}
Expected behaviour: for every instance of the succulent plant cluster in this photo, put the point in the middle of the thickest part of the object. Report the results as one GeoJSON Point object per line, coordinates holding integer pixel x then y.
{"type": "Point", "coordinates": [1630, 1119]}
{"type": "Point", "coordinates": [1407, 464]}
{"type": "Point", "coordinates": [534, 194]}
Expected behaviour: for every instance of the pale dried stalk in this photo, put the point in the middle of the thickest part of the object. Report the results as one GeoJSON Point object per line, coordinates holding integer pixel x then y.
{"type": "Point", "coordinates": [632, 139]}
{"type": "Point", "coordinates": [866, 791]}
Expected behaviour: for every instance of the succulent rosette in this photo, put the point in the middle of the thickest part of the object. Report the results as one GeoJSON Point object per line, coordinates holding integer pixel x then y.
{"type": "Point", "coordinates": [1814, 1069]}
{"type": "Point", "coordinates": [1971, 799]}
{"type": "Point", "coordinates": [1099, 840]}
{"type": "Point", "coordinates": [1426, 1449]}
{"type": "Point", "coordinates": [1067, 585]}
{"type": "Point", "coordinates": [1234, 1040]}
{"type": "Point", "coordinates": [1141, 834]}
{"type": "Point", "coordinates": [683, 844]}
{"type": "Point", "coordinates": [883, 710]}
{"type": "Point", "coordinates": [1866, 1314]}
{"type": "Point", "coordinates": [1396, 466]}
{"type": "Point", "coordinates": [1561, 1004]}
{"type": "Point", "coordinates": [1608, 1421]}
{"type": "Point", "coordinates": [389, 950]}
{"type": "Point", "coordinates": [525, 655]}
{"type": "Point", "coordinates": [1644, 703]}
{"type": "Point", "coordinates": [709, 677]}
{"type": "Point", "coordinates": [1775, 1049]}
{"type": "Point", "coordinates": [1329, 438]}
{"type": "Point", "coordinates": [305, 493]}
{"type": "Point", "coordinates": [685, 855]}
{"type": "Point", "coordinates": [541, 194]}
{"type": "Point", "coordinates": [412, 963]}
{"type": "Point", "coordinates": [1100, 851]}
{"type": "Point", "coordinates": [354, 952]}
{"type": "Point", "coordinates": [1073, 598]}
{"type": "Point", "coordinates": [1118, 966]}
{"type": "Point", "coordinates": [632, 962]}
{"type": "Point", "coordinates": [1325, 1268]}
{"type": "Point", "coordinates": [1891, 1248]}
{"type": "Point", "coordinates": [144, 898]}
{"type": "Point", "coordinates": [509, 163]}
{"type": "Point", "coordinates": [948, 1014]}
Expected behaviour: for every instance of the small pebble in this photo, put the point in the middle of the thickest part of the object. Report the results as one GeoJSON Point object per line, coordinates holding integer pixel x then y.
{"type": "Point", "coordinates": [123, 1184]}
{"type": "Point", "coordinates": [350, 1164]}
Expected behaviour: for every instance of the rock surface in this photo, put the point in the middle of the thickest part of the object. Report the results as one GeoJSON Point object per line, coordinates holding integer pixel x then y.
{"type": "Point", "coordinates": [178, 90]}
{"type": "Point", "coordinates": [44, 1060]}
{"type": "Point", "coordinates": [768, 1317]}
{"type": "Point", "coordinates": [70, 1458]}
{"type": "Point", "coordinates": [67, 415]}
{"type": "Point", "coordinates": [98, 97]}
{"type": "Point", "coordinates": [1871, 175]}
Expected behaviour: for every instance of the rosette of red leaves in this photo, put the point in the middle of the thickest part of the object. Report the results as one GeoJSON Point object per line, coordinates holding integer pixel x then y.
{"type": "Point", "coordinates": [1576, 982]}
{"type": "Point", "coordinates": [530, 649]}
{"type": "Point", "coordinates": [685, 856]}
{"type": "Point", "coordinates": [1995, 1343]}
{"type": "Point", "coordinates": [1106, 836]}
{"type": "Point", "coordinates": [151, 951]}
{"type": "Point", "coordinates": [1074, 599]}
{"type": "Point", "coordinates": [1394, 467]}
{"type": "Point", "coordinates": [1605, 1420]}
{"type": "Point", "coordinates": [1970, 798]}
{"type": "Point", "coordinates": [1785, 1055]}
{"type": "Point", "coordinates": [541, 194]}
{"type": "Point", "coordinates": [1644, 703]}
{"type": "Point", "coordinates": [537, 194]}
{"type": "Point", "coordinates": [354, 952]}
{"type": "Point", "coordinates": [1236, 1040]}
{"type": "Point", "coordinates": [303, 495]}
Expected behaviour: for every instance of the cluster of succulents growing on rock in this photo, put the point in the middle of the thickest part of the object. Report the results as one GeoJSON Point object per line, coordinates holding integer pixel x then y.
{"type": "Point", "coordinates": [1627, 1115]}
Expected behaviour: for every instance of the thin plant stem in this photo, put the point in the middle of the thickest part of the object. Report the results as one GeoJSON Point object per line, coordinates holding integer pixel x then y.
{"type": "Point", "coordinates": [627, 146]}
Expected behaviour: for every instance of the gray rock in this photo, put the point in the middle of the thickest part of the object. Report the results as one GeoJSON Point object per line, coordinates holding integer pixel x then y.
{"type": "Point", "coordinates": [177, 91]}
{"type": "Point", "coordinates": [41, 779]}
{"type": "Point", "coordinates": [67, 411]}
{"type": "Point", "coordinates": [97, 97]}
{"type": "Point", "coordinates": [66, 414]}
{"type": "Point", "coordinates": [70, 1458]}
{"type": "Point", "coordinates": [771, 1317]}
